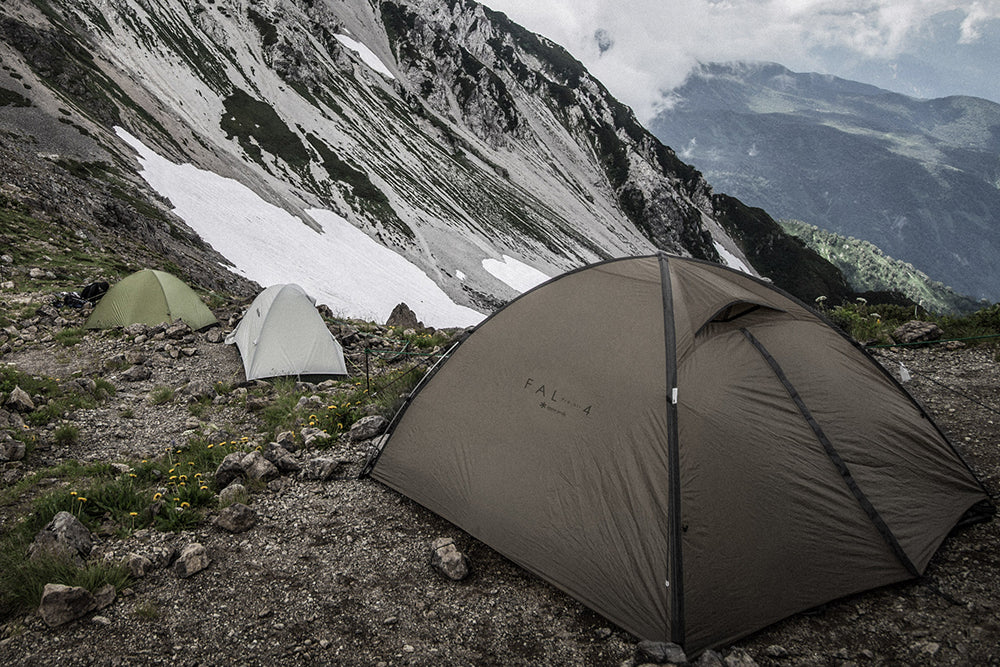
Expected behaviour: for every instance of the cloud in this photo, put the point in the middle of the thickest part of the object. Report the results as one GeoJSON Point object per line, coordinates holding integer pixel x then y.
{"type": "Point", "coordinates": [640, 48]}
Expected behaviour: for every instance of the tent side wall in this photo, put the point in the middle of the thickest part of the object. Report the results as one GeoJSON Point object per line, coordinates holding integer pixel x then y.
{"type": "Point", "coordinates": [789, 505]}
{"type": "Point", "coordinates": [544, 436]}
{"type": "Point", "coordinates": [183, 302]}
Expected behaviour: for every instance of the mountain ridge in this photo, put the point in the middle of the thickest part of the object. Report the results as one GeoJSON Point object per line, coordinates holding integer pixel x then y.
{"type": "Point", "coordinates": [479, 140]}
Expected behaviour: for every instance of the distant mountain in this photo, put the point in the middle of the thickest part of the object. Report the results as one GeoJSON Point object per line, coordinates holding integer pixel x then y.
{"type": "Point", "coordinates": [440, 129]}
{"type": "Point", "coordinates": [868, 269]}
{"type": "Point", "coordinates": [918, 178]}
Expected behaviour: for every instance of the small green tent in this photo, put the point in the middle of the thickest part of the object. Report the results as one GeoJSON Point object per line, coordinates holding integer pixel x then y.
{"type": "Point", "coordinates": [282, 334]}
{"type": "Point", "coordinates": [684, 448]}
{"type": "Point", "coordinates": [150, 297]}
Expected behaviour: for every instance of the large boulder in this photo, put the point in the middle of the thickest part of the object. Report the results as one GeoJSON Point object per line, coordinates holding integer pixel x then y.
{"type": "Point", "coordinates": [11, 449]}
{"type": "Point", "coordinates": [62, 604]}
{"type": "Point", "coordinates": [916, 331]}
{"type": "Point", "coordinates": [19, 401]}
{"type": "Point", "coordinates": [402, 317]}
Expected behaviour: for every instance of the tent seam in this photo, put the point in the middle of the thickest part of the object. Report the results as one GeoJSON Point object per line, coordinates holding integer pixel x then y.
{"type": "Point", "coordinates": [866, 505]}
{"type": "Point", "coordinates": [676, 571]}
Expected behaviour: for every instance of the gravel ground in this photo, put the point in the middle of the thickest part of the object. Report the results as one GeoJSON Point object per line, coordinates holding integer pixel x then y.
{"type": "Point", "coordinates": [338, 571]}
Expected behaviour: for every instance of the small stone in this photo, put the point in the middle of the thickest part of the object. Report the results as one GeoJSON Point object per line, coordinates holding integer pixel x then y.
{"type": "Point", "coordinates": [312, 436]}
{"type": "Point", "coordinates": [64, 536]}
{"type": "Point", "coordinates": [233, 493]}
{"type": "Point", "coordinates": [101, 620]}
{"type": "Point", "coordinates": [287, 440]}
{"type": "Point", "coordinates": [659, 652]}
{"type": "Point", "coordinates": [198, 389]}
{"type": "Point", "coordinates": [138, 565]}
{"type": "Point", "coordinates": [257, 467]}
{"type": "Point", "coordinates": [448, 560]}
{"type": "Point", "coordinates": [105, 595]}
{"type": "Point", "coordinates": [320, 468]}
{"type": "Point", "coordinates": [177, 330]}
{"type": "Point", "coordinates": [236, 518]}
{"type": "Point", "coordinates": [710, 658]}
{"type": "Point", "coordinates": [137, 374]}
{"type": "Point", "coordinates": [367, 428]}
{"type": "Point", "coordinates": [402, 317]}
{"type": "Point", "coordinates": [193, 559]}
{"type": "Point", "coordinates": [230, 469]}
{"type": "Point", "coordinates": [135, 357]}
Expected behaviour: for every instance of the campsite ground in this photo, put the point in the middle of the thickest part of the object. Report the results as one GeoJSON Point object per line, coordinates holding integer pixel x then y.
{"type": "Point", "coordinates": [337, 571]}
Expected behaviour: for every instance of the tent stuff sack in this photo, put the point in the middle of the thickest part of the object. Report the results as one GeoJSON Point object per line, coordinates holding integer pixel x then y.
{"type": "Point", "coordinates": [685, 449]}
{"type": "Point", "coordinates": [282, 334]}
{"type": "Point", "coordinates": [150, 297]}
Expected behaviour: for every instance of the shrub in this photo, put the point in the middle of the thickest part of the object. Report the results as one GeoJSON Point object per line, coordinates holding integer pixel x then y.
{"type": "Point", "coordinates": [160, 395]}
{"type": "Point", "coordinates": [69, 336]}
{"type": "Point", "coordinates": [66, 434]}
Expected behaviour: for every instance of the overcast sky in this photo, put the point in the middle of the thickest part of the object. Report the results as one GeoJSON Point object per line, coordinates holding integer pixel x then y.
{"type": "Point", "coordinates": [640, 47]}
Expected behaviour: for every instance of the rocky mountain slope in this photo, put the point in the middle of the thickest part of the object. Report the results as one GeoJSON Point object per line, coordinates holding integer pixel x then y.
{"type": "Point", "coordinates": [440, 129]}
{"type": "Point", "coordinates": [918, 178]}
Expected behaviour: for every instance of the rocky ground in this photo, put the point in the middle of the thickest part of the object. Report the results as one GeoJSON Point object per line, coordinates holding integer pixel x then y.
{"type": "Point", "coordinates": [337, 570]}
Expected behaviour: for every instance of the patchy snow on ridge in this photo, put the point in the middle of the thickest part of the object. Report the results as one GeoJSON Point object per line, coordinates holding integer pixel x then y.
{"type": "Point", "coordinates": [342, 267]}
{"type": "Point", "coordinates": [731, 260]}
{"type": "Point", "coordinates": [515, 273]}
{"type": "Point", "coordinates": [367, 55]}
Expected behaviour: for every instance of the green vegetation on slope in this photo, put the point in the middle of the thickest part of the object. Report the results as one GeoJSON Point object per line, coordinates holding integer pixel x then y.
{"type": "Point", "coordinates": [868, 269]}
{"type": "Point", "coordinates": [256, 125]}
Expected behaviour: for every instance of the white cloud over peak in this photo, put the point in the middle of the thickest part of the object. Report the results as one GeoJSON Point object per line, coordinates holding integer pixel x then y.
{"type": "Point", "coordinates": [654, 44]}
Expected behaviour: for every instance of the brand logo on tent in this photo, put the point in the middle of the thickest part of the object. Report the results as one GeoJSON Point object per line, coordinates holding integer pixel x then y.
{"type": "Point", "coordinates": [552, 400]}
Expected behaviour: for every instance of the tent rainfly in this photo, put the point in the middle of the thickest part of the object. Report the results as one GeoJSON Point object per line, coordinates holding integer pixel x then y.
{"type": "Point", "coordinates": [150, 297]}
{"type": "Point", "coordinates": [685, 449]}
{"type": "Point", "coordinates": [282, 334]}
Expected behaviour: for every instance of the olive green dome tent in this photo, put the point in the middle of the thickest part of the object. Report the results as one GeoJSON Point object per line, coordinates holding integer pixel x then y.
{"type": "Point", "coordinates": [685, 449]}
{"type": "Point", "coordinates": [150, 297]}
{"type": "Point", "coordinates": [282, 334]}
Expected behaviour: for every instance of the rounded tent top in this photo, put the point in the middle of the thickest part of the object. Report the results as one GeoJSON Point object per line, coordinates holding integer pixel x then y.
{"type": "Point", "coordinates": [150, 297]}
{"type": "Point", "coordinates": [282, 334]}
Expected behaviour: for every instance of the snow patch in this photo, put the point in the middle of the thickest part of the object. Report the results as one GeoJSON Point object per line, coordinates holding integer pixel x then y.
{"type": "Point", "coordinates": [366, 54]}
{"type": "Point", "coordinates": [515, 273]}
{"type": "Point", "coordinates": [731, 260]}
{"type": "Point", "coordinates": [460, 275]}
{"type": "Point", "coordinates": [342, 267]}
